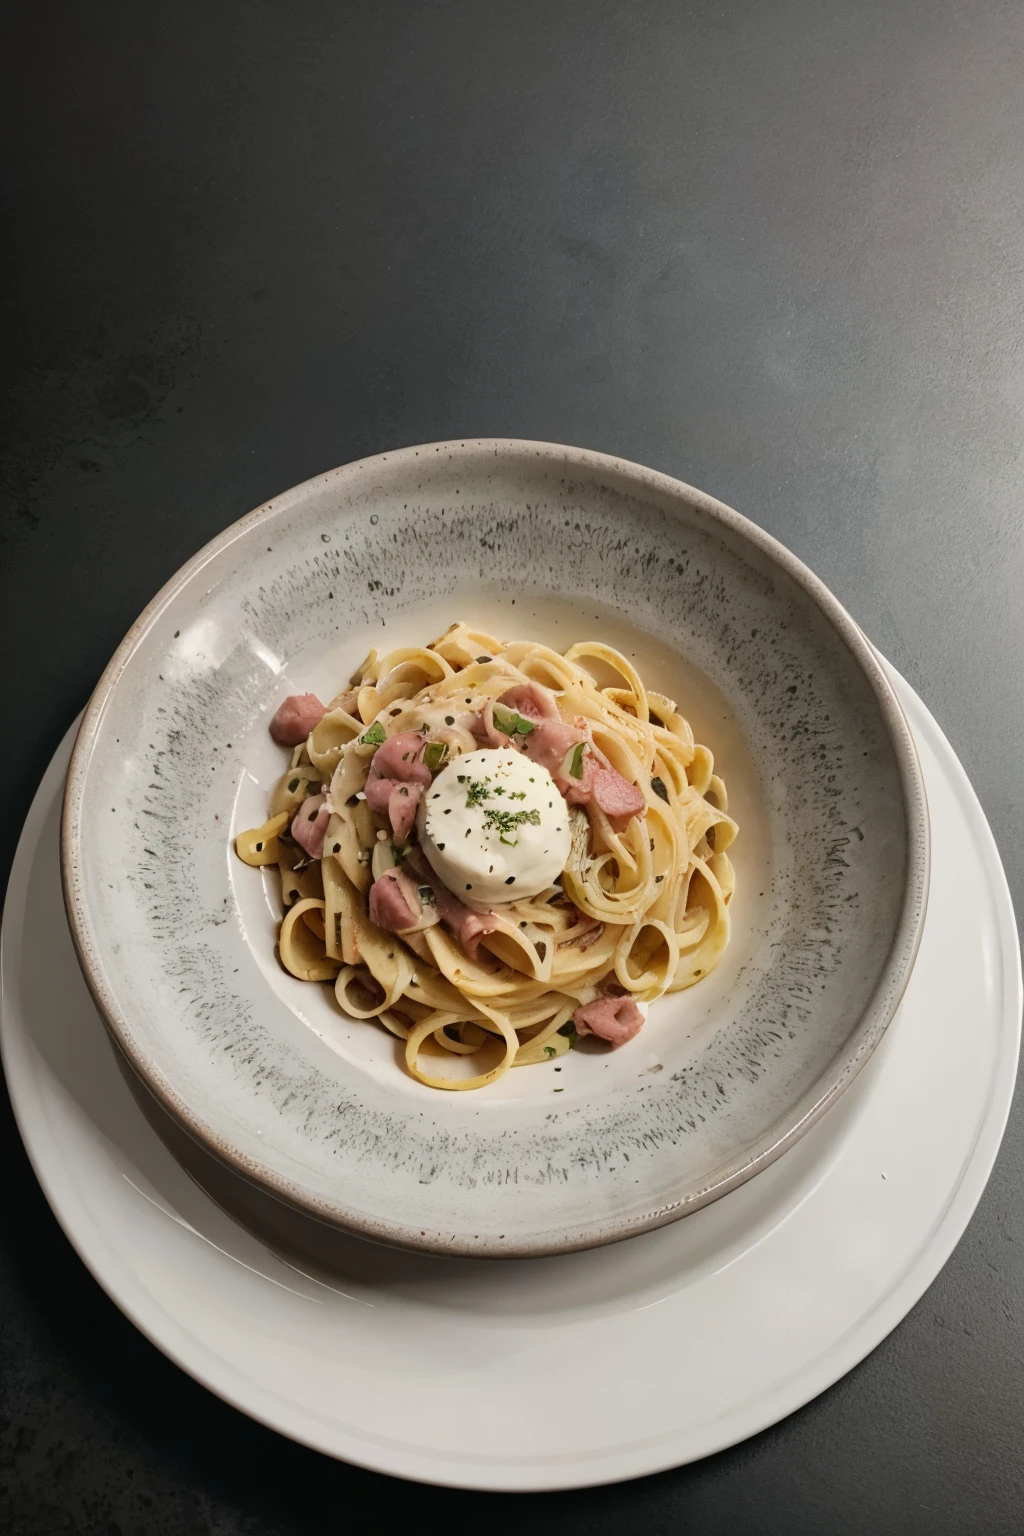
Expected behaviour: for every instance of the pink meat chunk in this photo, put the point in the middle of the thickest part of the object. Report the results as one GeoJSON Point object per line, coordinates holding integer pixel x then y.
{"type": "Point", "coordinates": [548, 743]}
{"type": "Point", "coordinates": [393, 902]}
{"type": "Point", "coordinates": [401, 757]}
{"type": "Point", "coordinates": [398, 766]}
{"type": "Point", "coordinates": [484, 729]}
{"type": "Point", "coordinates": [298, 715]}
{"type": "Point", "coordinates": [608, 790]}
{"type": "Point", "coordinates": [461, 921]}
{"type": "Point", "coordinates": [531, 700]}
{"type": "Point", "coordinates": [615, 1019]}
{"type": "Point", "coordinates": [402, 803]}
{"type": "Point", "coordinates": [378, 794]}
{"type": "Point", "coordinates": [309, 826]}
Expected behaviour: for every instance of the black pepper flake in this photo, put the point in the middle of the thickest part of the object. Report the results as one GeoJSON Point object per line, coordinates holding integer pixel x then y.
{"type": "Point", "coordinates": [658, 879]}
{"type": "Point", "coordinates": [658, 785]}
{"type": "Point", "coordinates": [440, 847]}
{"type": "Point", "coordinates": [259, 847]}
{"type": "Point", "coordinates": [437, 797]}
{"type": "Point", "coordinates": [448, 810]}
{"type": "Point", "coordinates": [484, 658]}
{"type": "Point", "coordinates": [449, 719]}
{"type": "Point", "coordinates": [511, 880]}
{"type": "Point", "coordinates": [337, 848]}
{"type": "Point", "coordinates": [469, 885]}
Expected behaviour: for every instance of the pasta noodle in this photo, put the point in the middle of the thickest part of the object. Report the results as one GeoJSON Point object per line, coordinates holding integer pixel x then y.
{"type": "Point", "coordinates": [639, 909]}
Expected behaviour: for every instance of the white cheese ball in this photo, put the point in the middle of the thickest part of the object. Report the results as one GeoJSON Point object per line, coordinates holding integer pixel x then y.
{"type": "Point", "coordinates": [494, 828]}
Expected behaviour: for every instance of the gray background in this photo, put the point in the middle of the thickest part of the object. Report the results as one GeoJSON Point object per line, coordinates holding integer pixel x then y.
{"type": "Point", "coordinates": [775, 249]}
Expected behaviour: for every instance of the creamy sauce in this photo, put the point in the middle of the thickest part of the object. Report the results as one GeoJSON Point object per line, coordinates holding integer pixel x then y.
{"type": "Point", "coordinates": [494, 828]}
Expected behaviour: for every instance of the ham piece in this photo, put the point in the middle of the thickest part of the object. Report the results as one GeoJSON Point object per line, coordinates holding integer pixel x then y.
{"type": "Point", "coordinates": [309, 825]}
{"type": "Point", "coordinates": [462, 922]}
{"type": "Point", "coordinates": [548, 743]}
{"type": "Point", "coordinates": [484, 729]}
{"type": "Point", "coordinates": [531, 700]}
{"type": "Point", "coordinates": [608, 790]}
{"type": "Point", "coordinates": [615, 1019]}
{"type": "Point", "coordinates": [398, 776]}
{"type": "Point", "coordinates": [298, 715]}
{"type": "Point", "coordinates": [393, 902]}
{"type": "Point", "coordinates": [402, 803]}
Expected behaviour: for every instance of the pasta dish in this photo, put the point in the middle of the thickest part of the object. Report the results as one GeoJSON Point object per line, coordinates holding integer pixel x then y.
{"type": "Point", "coordinates": [492, 849]}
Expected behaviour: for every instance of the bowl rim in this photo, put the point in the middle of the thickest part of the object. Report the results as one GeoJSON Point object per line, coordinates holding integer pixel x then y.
{"type": "Point", "coordinates": [875, 1018]}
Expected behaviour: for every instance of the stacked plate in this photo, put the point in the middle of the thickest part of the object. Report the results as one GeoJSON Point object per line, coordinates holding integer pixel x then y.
{"type": "Point", "coordinates": [533, 1314]}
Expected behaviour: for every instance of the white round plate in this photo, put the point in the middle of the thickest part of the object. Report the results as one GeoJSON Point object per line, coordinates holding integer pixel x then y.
{"type": "Point", "coordinates": [585, 1368]}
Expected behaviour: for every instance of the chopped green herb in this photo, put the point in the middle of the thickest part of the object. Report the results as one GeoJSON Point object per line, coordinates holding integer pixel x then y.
{"type": "Point", "coordinates": [658, 785]}
{"type": "Point", "coordinates": [558, 1090]}
{"type": "Point", "coordinates": [549, 1050]}
{"type": "Point", "coordinates": [479, 790]}
{"type": "Point", "coordinates": [375, 736]}
{"type": "Point", "coordinates": [576, 766]}
{"type": "Point", "coordinates": [510, 723]}
{"type": "Point", "coordinates": [399, 851]}
{"type": "Point", "coordinates": [569, 1030]}
{"type": "Point", "coordinates": [507, 821]}
{"type": "Point", "coordinates": [434, 754]}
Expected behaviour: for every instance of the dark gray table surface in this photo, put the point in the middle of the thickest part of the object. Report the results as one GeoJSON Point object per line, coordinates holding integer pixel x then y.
{"type": "Point", "coordinates": [776, 249]}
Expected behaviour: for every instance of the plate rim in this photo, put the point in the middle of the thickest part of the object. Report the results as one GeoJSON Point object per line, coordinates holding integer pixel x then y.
{"type": "Point", "coordinates": [876, 1016]}
{"type": "Point", "coordinates": [852, 1345]}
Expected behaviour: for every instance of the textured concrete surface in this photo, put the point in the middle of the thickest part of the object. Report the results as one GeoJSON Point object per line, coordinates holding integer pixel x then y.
{"type": "Point", "coordinates": [776, 250]}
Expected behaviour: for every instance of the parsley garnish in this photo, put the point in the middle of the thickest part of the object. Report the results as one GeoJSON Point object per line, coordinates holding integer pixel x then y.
{"type": "Point", "coordinates": [479, 790]}
{"type": "Point", "coordinates": [549, 1050]}
{"type": "Point", "coordinates": [375, 736]}
{"type": "Point", "coordinates": [570, 1030]}
{"type": "Point", "coordinates": [507, 821]}
{"type": "Point", "coordinates": [510, 723]}
{"type": "Point", "coordinates": [434, 754]}
{"type": "Point", "coordinates": [576, 766]}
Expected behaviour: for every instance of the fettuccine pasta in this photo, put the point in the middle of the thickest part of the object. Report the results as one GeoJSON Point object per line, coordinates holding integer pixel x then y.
{"type": "Point", "coordinates": [489, 852]}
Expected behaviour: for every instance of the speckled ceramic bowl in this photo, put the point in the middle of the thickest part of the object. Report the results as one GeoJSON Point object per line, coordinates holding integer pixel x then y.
{"type": "Point", "coordinates": [524, 539]}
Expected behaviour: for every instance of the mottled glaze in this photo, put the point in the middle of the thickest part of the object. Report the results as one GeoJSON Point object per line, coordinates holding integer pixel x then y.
{"type": "Point", "coordinates": [524, 539]}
